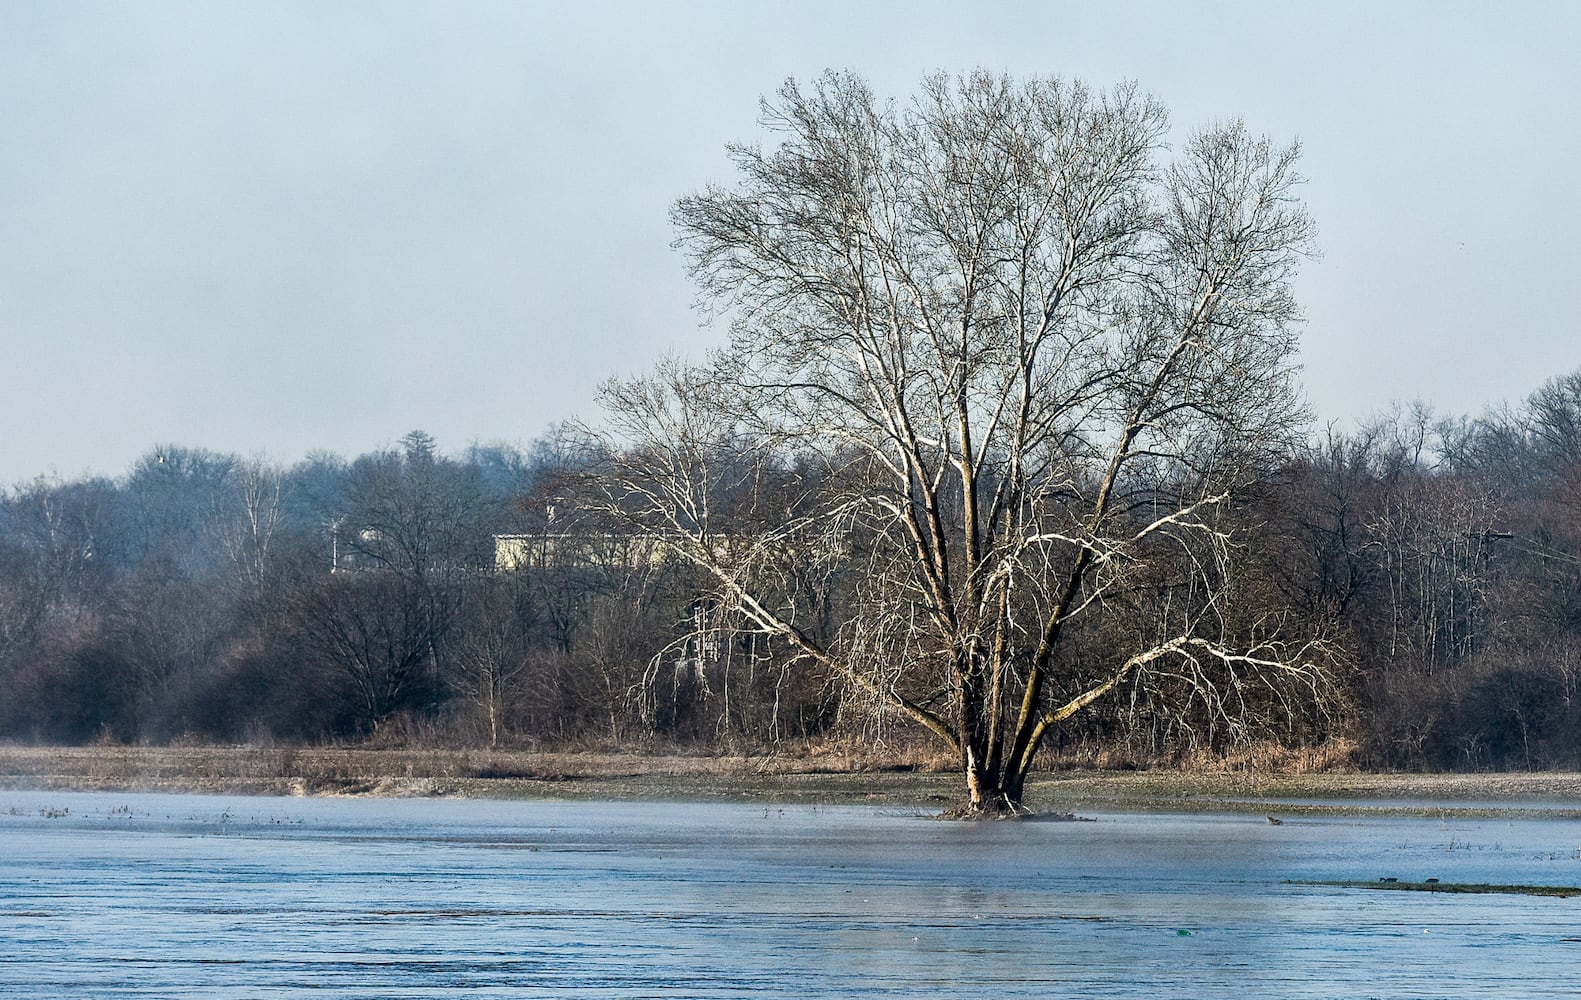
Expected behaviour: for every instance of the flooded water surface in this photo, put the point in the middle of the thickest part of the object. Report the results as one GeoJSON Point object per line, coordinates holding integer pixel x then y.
{"type": "Point", "coordinates": [118, 895]}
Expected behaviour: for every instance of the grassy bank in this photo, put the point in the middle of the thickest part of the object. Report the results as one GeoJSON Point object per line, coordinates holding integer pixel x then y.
{"type": "Point", "coordinates": [471, 773]}
{"type": "Point", "coordinates": [826, 777]}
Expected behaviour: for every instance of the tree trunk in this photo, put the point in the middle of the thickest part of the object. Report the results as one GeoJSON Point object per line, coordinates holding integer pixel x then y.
{"type": "Point", "coordinates": [990, 795]}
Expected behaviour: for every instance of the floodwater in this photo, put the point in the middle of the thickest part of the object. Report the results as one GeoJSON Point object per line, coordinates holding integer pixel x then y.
{"type": "Point", "coordinates": [122, 895]}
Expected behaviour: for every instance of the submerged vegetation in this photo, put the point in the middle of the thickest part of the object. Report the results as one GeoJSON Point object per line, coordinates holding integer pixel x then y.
{"type": "Point", "coordinates": [1433, 885]}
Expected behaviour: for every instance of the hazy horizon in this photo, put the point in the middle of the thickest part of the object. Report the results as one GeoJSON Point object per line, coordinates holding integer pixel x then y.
{"type": "Point", "coordinates": [292, 227]}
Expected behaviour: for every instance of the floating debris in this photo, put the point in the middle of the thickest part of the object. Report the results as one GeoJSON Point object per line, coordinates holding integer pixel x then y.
{"type": "Point", "coordinates": [1434, 885]}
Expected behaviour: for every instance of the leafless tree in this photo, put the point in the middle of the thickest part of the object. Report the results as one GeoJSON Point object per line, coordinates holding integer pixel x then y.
{"type": "Point", "coordinates": [988, 344]}
{"type": "Point", "coordinates": [491, 656]}
{"type": "Point", "coordinates": [415, 512]}
{"type": "Point", "coordinates": [375, 634]}
{"type": "Point", "coordinates": [256, 510]}
{"type": "Point", "coordinates": [1435, 537]}
{"type": "Point", "coordinates": [1555, 422]}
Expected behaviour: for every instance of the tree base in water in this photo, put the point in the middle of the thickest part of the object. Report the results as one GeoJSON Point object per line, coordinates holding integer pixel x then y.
{"type": "Point", "coordinates": [999, 807]}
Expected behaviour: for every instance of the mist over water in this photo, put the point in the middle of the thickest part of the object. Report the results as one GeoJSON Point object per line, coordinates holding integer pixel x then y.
{"type": "Point", "coordinates": [121, 895]}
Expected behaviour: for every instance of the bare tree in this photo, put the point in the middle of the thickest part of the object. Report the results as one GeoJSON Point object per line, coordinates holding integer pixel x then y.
{"type": "Point", "coordinates": [68, 538]}
{"type": "Point", "coordinates": [1555, 422]}
{"type": "Point", "coordinates": [986, 344]}
{"type": "Point", "coordinates": [491, 656]}
{"type": "Point", "coordinates": [256, 509]}
{"type": "Point", "coordinates": [1435, 538]}
{"type": "Point", "coordinates": [175, 496]}
{"type": "Point", "coordinates": [416, 512]}
{"type": "Point", "coordinates": [374, 633]}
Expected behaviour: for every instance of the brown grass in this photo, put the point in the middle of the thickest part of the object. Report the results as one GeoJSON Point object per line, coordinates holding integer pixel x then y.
{"type": "Point", "coordinates": [813, 774]}
{"type": "Point", "coordinates": [831, 775]}
{"type": "Point", "coordinates": [1265, 757]}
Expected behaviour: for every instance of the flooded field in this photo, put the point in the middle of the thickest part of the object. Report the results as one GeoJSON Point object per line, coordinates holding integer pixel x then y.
{"type": "Point", "coordinates": [128, 895]}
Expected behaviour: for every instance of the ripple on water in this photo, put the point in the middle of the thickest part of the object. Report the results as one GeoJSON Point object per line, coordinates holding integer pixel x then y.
{"type": "Point", "coordinates": [160, 896]}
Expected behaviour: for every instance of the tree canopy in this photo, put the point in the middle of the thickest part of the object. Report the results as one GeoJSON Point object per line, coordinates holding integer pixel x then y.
{"type": "Point", "coordinates": [1000, 341]}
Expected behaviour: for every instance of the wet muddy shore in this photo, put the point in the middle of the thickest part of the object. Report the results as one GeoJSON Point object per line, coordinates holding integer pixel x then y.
{"type": "Point", "coordinates": [825, 779]}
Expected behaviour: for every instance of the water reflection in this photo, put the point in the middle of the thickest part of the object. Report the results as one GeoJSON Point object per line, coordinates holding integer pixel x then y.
{"type": "Point", "coordinates": [121, 895]}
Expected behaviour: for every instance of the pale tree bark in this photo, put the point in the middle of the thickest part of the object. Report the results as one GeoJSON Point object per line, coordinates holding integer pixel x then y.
{"type": "Point", "coordinates": [254, 516]}
{"type": "Point", "coordinates": [986, 345]}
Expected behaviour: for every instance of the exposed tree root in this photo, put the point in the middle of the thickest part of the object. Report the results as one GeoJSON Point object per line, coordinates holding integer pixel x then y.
{"type": "Point", "coordinates": [997, 807]}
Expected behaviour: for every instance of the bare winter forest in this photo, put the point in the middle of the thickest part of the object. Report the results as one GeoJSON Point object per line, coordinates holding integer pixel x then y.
{"type": "Point", "coordinates": [1006, 450]}
{"type": "Point", "coordinates": [206, 597]}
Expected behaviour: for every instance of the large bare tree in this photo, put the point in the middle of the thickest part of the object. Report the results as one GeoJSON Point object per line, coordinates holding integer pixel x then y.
{"type": "Point", "coordinates": [994, 350]}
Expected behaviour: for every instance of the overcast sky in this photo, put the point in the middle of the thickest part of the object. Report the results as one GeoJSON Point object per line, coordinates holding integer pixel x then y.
{"type": "Point", "coordinates": [273, 228]}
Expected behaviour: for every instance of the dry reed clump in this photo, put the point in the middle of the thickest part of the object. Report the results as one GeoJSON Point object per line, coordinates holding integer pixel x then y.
{"type": "Point", "coordinates": [363, 770]}
{"type": "Point", "coordinates": [1087, 757]}
{"type": "Point", "coordinates": [1337, 755]}
{"type": "Point", "coordinates": [855, 757]}
{"type": "Point", "coordinates": [816, 773]}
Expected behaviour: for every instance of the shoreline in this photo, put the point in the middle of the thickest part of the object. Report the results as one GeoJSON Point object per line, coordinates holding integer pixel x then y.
{"type": "Point", "coordinates": [819, 778]}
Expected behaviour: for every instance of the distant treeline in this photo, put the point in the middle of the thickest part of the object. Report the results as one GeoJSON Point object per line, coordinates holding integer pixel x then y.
{"type": "Point", "coordinates": [206, 597]}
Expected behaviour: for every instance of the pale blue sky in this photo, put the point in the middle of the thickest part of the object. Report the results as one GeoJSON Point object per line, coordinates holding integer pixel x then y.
{"type": "Point", "coordinates": [278, 227]}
